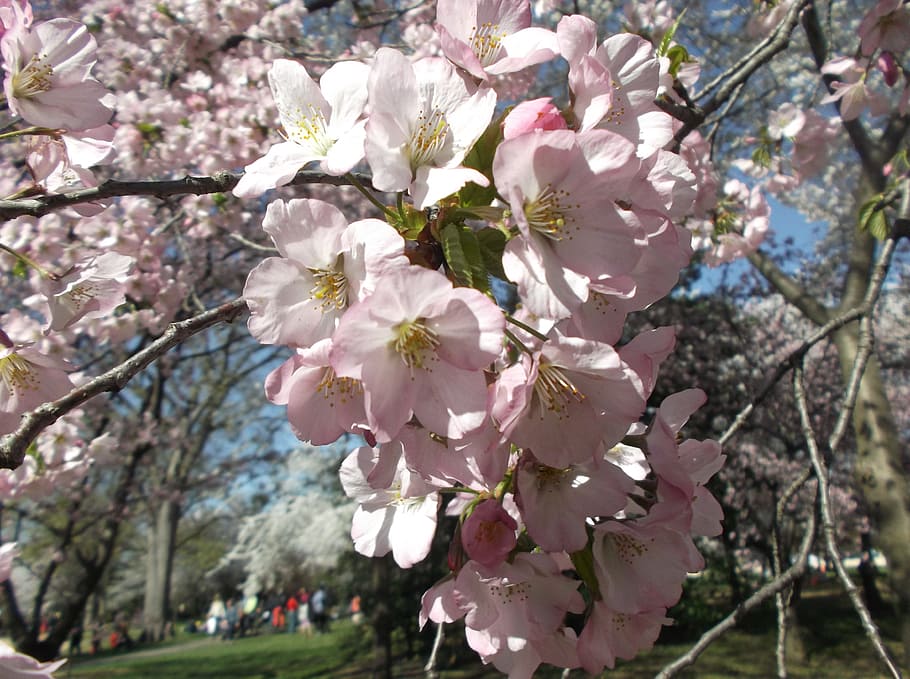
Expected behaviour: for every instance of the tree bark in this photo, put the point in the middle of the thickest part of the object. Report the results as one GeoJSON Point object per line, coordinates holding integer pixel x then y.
{"type": "Point", "coordinates": [162, 539]}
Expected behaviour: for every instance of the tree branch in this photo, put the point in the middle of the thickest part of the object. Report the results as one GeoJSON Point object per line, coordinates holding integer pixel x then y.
{"type": "Point", "coordinates": [734, 77]}
{"type": "Point", "coordinates": [770, 589]}
{"type": "Point", "coordinates": [220, 182]}
{"type": "Point", "coordinates": [882, 266]}
{"type": "Point", "coordinates": [828, 528]}
{"type": "Point", "coordinates": [13, 446]}
{"type": "Point", "coordinates": [789, 288]}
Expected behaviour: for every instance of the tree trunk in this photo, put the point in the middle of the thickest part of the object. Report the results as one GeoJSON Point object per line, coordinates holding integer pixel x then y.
{"type": "Point", "coordinates": [162, 542]}
{"type": "Point", "coordinates": [881, 474]}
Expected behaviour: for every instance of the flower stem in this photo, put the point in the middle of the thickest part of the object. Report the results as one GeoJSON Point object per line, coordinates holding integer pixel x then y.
{"type": "Point", "coordinates": [33, 131]}
{"type": "Point", "coordinates": [527, 328]}
{"type": "Point", "coordinates": [29, 262]}
{"type": "Point", "coordinates": [357, 184]}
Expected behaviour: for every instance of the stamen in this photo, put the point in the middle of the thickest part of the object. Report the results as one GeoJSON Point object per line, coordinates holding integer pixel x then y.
{"type": "Point", "coordinates": [18, 375]}
{"type": "Point", "coordinates": [340, 389]}
{"type": "Point", "coordinates": [551, 214]}
{"type": "Point", "coordinates": [330, 289]}
{"type": "Point", "coordinates": [486, 42]}
{"type": "Point", "coordinates": [428, 138]}
{"type": "Point", "coordinates": [415, 342]}
{"type": "Point", "coordinates": [308, 128]}
{"type": "Point", "coordinates": [555, 391]}
{"type": "Point", "coordinates": [34, 79]}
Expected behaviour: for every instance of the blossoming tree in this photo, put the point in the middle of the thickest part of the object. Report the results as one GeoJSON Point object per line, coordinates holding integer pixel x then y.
{"type": "Point", "coordinates": [461, 304]}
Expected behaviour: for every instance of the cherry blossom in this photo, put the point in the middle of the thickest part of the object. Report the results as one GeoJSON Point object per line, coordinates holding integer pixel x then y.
{"type": "Point", "coordinates": [28, 378]}
{"type": "Point", "coordinates": [322, 123]}
{"type": "Point", "coordinates": [424, 118]}
{"type": "Point", "coordinates": [488, 534]}
{"type": "Point", "coordinates": [886, 26]}
{"type": "Point", "coordinates": [396, 514]}
{"type": "Point", "coordinates": [20, 666]}
{"type": "Point", "coordinates": [325, 264]}
{"type": "Point", "coordinates": [425, 341]}
{"type": "Point", "coordinates": [48, 81]}
{"type": "Point", "coordinates": [91, 289]}
{"type": "Point", "coordinates": [491, 38]}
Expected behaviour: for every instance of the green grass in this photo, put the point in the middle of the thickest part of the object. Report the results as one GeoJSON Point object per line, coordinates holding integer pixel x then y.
{"type": "Point", "coordinates": [831, 635]}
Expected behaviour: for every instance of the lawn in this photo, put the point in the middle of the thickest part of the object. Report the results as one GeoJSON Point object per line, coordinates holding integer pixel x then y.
{"type": "Point", "coordinates": [832, 638]}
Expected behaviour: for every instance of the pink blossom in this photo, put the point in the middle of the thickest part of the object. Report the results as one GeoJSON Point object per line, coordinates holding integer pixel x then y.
{"type": "Point", "coordinates": [610, 634]}
{"type": "Point", "coordinates": [15, 14]}
{"type": "Point", "coordinates": [576, 396]}
{"type": "Point", "coordinates": [886, 26]}
{"type": "Point", "coordinates": [321, 405]}
{"type": "Point", "coordinates": [536, 114]}
{"type": "Point", "coordinates": [424, 117]}
{"type": "Point", "coordinates": [850, 90]}
{"type": "Point", "coordinates": [323, 123]}
{"type": "Point", "coordinates": [555, 503]}
{"type": "Point", "coordinates": [515, 604]}
{"type": "Point", "coordinates": [325, 264]}
{"type": "Point", "coordinates": [91, 289]}
{"type": "Point", "coordinates": [561, 188]}
{"type": "Point", "coordinates": [641, 566]}
{"type": "Point", "coordinates": [397, 516]}
{"type": "Point", "coordinates": [28, 378]}
{"type": "Point", "coordinates": [20, 666]}
{"type": "Point", "coordinates": [492, 37]}
{"type": "Point", "coordinates": [48, 81]}
{"type": "Point", "coordinates": [488, 534]}
{"type": "Point", "coordinates": [889, 67]}
{"type": "Point", "coordinates": [426, 342]}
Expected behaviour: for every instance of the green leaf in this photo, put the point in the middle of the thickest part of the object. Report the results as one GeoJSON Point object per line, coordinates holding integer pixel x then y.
{"type": "Point", "coordinates": [463, 255]}
{"type": "Point", "coordinates": [668, 36]}
{"type": "Point", "coordinates": [492, 245]}
{"type": "Point", "coordinates": [20, 270]}
{"type": "Point", "coordinates": [480, 158]}
{"type": "Point", "coordinates": [678, 55]}
{"type": "Point", "coordinates": [583, 560]}
{"type": "Point", "coordinates": [872, 218]}
{"type": "Point", "coordinates": [762, 156]}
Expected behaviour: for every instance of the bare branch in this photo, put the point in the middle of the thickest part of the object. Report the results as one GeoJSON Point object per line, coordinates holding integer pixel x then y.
{"type": "Point", "coordinates": [770, 589]}
{"type": "Point", "coordinates": [220, 182]}
{"type": "Point", "coordinates": [730, 80]}
{"type": "Point", "coordinates": [828, 528]}
{"type": "Point", "coordinates": [877, 280]}
{"type": "Point", "coordinates": [13, 446]}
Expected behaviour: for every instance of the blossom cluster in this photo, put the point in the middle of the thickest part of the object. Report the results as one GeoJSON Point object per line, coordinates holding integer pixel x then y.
{"type": "Point", "coordinates": [471, 335]}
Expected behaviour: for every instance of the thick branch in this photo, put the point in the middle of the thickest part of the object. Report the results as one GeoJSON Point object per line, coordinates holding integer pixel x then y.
{"type": "Point", "coordinates": [790, 289]}
{"type": "Point", "coordinates": [14, 445]}
{"type": "Point", "coordinates": [220, 182]}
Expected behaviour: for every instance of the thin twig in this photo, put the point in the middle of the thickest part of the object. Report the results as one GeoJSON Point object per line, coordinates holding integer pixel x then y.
{"type": "Point", "coordinates": [777, 584]}
{"type": "Point", "coordinates": [220, 182]}
{"type": "Point", "coordinates": [879, 273]}
{"type": "Point", "coordinates": [430, 668]}
{"type": "Point", "coordinates": [828, 528]}
{"type": "Point", "coordinates": [13, 446]}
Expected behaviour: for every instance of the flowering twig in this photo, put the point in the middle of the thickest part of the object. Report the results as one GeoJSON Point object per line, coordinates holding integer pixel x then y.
{"type": "Point", "coordinates": [220, 182]}
{"type": "Point", "coordinates": [14, 445]}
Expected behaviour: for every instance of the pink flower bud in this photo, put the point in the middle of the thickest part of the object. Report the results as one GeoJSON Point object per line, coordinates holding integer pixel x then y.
{"type": "Point", "coordinates": [537, 114]}
{"type": "Point", "coordinates": [889, 68]}
{"type": "Point", "coordinates": [488, 535]}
